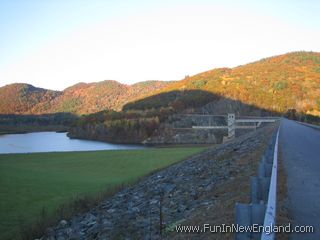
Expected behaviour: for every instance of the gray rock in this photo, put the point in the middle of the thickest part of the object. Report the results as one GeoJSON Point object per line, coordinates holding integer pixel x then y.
{"type": "Point", "coordinates": [61, 238]}
{"type": "Point", "coordinates": [167, 188]}
{"type": "Point", "coordinates": [111, 210]}
{"type": "Point", "coordinates": [89, 220]}
{"type": "Point", "coordinates": [63, 223]}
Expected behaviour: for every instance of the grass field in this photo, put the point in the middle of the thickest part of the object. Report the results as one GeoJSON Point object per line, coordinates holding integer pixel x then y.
{"type": "Point", "coordinates": [31, 182]}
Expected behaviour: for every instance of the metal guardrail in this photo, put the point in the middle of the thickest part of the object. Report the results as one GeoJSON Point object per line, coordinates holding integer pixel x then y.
{"type": "Point", "coordinates": [262, 209]}
{"type": "Point", "coordinates": [270, 216]}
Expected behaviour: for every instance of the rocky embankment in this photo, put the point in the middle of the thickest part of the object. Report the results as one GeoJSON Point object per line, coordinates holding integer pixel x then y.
{"type": "Point", "coordinates": [168, 196]}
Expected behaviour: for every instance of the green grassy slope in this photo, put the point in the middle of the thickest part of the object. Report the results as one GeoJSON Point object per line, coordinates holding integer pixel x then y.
{"type": "Point", "coordinates": [29, 182]}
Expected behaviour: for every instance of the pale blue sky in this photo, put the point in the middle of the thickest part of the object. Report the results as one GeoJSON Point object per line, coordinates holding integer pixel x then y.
{"type": "Point", "coordinates": [57, 43]}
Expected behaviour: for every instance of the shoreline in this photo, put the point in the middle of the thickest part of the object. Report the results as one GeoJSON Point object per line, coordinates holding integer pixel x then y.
{"type": "Point", "coordinates": [63, 129]}
{"type": "Point", "coordinates": [31, 129]}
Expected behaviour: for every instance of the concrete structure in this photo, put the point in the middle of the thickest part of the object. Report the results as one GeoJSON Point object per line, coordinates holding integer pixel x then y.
{"type": "Point", "coordinates": [231, 125]}
{"type": "Point", "coordinates": [241, 123]}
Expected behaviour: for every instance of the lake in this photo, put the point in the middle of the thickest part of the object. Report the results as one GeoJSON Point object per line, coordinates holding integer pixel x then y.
{"type": "Point", "coordinates": [53, 142]}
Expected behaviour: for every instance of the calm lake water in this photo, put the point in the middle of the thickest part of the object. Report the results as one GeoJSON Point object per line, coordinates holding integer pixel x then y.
{"type": "Point", "coordinates": [53, 142]}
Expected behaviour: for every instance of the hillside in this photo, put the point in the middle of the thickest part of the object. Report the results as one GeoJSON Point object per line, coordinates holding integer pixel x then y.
{"type": "Point", "coordinates": [81, 98]}
{"type": "Point", "coordinates": [92, 97]}
{"type": "Point", "coordinates": [20, 98]}
{"type": "Point", "coordinates": [283, 85]}
{"type": "Point", "coordinates": [277, 84]}
{"type": "Point", "coordinates": [289, 81]}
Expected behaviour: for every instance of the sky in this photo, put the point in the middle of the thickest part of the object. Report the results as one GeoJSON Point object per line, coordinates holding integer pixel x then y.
{"type": "Point", "coordinates": [57, 43]}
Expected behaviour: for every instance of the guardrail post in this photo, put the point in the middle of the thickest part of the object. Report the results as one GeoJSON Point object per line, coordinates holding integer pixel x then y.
{"type": "Point", "coordinates": [265, 169]}
{"type": "Point", "coordinates": [246, 216]}
{"type": "Point", "coordinates": [243, 218]}
{"type": "Point", "coordinates": [259, 189]}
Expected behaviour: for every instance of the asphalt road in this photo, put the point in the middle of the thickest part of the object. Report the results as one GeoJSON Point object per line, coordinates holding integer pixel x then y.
{"type": "Point", "coordinates": [301, 155]}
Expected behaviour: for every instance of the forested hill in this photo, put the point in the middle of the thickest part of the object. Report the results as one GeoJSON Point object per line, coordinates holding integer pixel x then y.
{"type": "Point", "coordinates": [289, 81]}
{"type": "Point", "coordinates": [21, 98]}
{"type": "Point", "coordinates": [82, 98]}
{"type": "Point", "coordinates": [85, 98]}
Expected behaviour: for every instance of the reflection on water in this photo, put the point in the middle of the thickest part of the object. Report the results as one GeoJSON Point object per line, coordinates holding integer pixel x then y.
{"type": "Point", "coordinates": [53, 142]}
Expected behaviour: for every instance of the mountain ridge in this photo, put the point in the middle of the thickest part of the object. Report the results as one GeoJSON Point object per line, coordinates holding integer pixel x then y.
{"type": "Point", "coordinates": [278, 83]}
{"type": "Point", "coordinates": [81, 98]}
